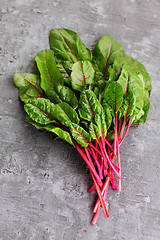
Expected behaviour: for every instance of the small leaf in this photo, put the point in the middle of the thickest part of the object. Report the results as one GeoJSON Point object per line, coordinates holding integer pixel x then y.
{"type": "Point", "coordinates": [29, 86]}
{"type": "Point", "coordinates": [106, 51]}
{"type": "Point", "coordinates": [67, 46]}
{"type": "Point", "coordinates": [41, 110]}
{"type": "Point", "coordinates": [82, 74]}
{"type": "Point", "coordinates": [79, 134]}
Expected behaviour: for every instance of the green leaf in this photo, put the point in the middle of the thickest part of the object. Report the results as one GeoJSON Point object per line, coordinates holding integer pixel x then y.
{"type": "Point", "coordinates": [29, 86]}
{"type": "Point", "coordinates": [50, 74]}
{"type": "Point", "coordinates": [128, 106]}
{"type": "Point", "coordinates": [146, 95]}
{"type": "Point", "coordinates": [51, 80]}
{"type": "Point", "coordinates": [138, 113]}
{"type": "Point", "coordinates": [113, 96]}
{"type": "Point", "coordinates": [65, 70]}
{"type": "Point", "coordinates": [94, 131]}
{"type": "Point", "coordinates": [139, 68]}
{"type": "Point", "coordinates": [65, 114]}
{"type": "Point", "coordinates": [67, 46]}
{"type": "Point", "coordinates": [82, 74]}
{"type": "Point", "coordinates": [135, 86]}
{"type": "Point", "coordinates": [100, 121]}
{"type": "Point", "coordinates": [64, 135]}
{"type": "Point", "coordinates": [90, 109]}
{"type": "Point", "coordinates": [108, 116]}
{"type": "Point", "coordinates": [141, 83]}
{"type": "Point", "coordinates": [88, 105]}
{"type": "Point", "coordinates": [79, 134]}
{"type": "Point", "coordinates": [146, 107]}
{"type": "Point", "coordinates": [124, 78]}
{"type": "Point", "coordinates": [106, 51]}
{"type": "Point", "coordinates": [62, 94]}
{"type": "Point", "coordinates": [41, 110]}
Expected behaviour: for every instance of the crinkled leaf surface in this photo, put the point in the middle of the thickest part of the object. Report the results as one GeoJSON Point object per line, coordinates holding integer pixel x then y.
{"type": "Point", "coordinates": [62, 93]}
{"type": "Point", "coordinates": [64, 135]}
{"type": "Point", "coordinates": [131, 83]}
{"type": "Point", "coordinates": [128, 106]}
{"type": "Point", "coordinates": [136, 71]}
{"type": "Point", "coordinates": [113, 96]}
{"type": "Point", "coordinates": [81, 136]}
{"type": "Point", "coordinates": [66, 72]}
{"type": "Point", "coordinates": [90, 109]}
{"type": "Point", "coordinates": [106, 51]}
{"type": "Point", "coordinates": [123, 79]}
{"type": "Point", "coordinates": [94, 131]}
{"type": "Point", "coordinates": [138, 68]}
{"type": "Point", "coordinates": [108, 116]}
{"type": "Point", "coordinates": [29, 86]}
{"type": "Point", "coordinates": [135, 86]}
{"type": "Point", "coordinates": [82, 74]}
{"type": "Point", "coordinates": [88, 105]}
{"type": "Point", "coordinates": [65, 114]}
{"type": "Point", "coordinates": [101, 123]}
{"type": "Point", "coordinates": [40, 110]}
{"type": "Point", "coordinates": [67, 46]}
{"type": "Point", "coordinates": [146, 95]}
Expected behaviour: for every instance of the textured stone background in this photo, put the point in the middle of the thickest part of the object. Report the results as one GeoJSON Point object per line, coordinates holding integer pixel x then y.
{"type": "Point", "coordinates": [43, 184]}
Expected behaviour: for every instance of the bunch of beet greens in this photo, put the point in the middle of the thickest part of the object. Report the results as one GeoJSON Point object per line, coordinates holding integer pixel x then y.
{"type": "Point", "coordinates": [88, 99]}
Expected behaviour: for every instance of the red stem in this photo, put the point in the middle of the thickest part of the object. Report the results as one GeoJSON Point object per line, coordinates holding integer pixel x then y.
{"type": "Point", "coordinates": [106, 158]}
{"type": "Point", "coordinates": [108, 144]}
{"type": "Point", "coordinates": [91, 167]}
{"type": "Point", "coordinates": [100, 196]}
{"type": "Point", "coordinates": [124, 123]}
{"type": "Point", "coordinates": [91, 189]}
{"type": "Point", "coordinates": [115, 135]}
{"type": "Point", "coordinates": [119, 165]}
{"type": "Point", "coordinates": [97, 163]}
{"type": "Point", "coordinates": [127, 129]}
{"type": "Point", "coordinates": [104, 186]}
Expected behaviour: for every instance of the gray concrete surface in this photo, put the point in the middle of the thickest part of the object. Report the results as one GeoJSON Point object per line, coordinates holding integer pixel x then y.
{"type": "Point", "coordinates": [43, 184]}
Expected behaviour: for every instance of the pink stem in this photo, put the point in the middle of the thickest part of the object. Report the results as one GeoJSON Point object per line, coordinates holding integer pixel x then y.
{"type": "Point", "coordinates": [100, 196]}
{"type": "Point", "coordinates": [106, 140]}
{"type": "Point", "coordinates": [119, 165]}
{"type": "Point", "coordinates": [91, 166]}
{"type": "Point", "coordinates": [127, 129]}
{"type": "Point", "coordinates": [91, 145]}
{"type": "Point", "coordinates": [115, 135]}
{"type": "Point", "coordinates": [105, 186]}
{"type": "Point", "coordinates": [112, 181]}
{"type": "Point", "coordinates": [97, 163]}
{"type": "Point", "coordinates": [91, 189]}
{"type": "Point", "coordinates": [94, 221]}
{"type": "Point", "coordinates": [124, 123]}
{"type": "Point", "coordinates": [106, 158]}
